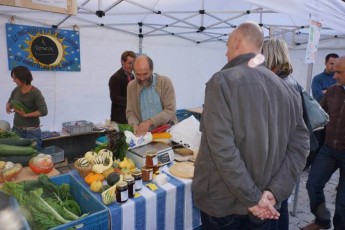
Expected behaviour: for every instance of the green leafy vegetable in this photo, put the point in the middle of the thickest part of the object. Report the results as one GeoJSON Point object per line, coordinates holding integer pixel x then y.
{"type": "Point", "coordinates": [44, 204]}
{"type": "Point", "coordinates": [117, 144]}
{"type": "Point", "coordinates": [124, 127]}
{"type": "Point", "coordinates": [8, 134]}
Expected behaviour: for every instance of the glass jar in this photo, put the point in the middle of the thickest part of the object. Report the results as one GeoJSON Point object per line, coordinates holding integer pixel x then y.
{"type": "Point", "coordinates": [151, 159]}
{"type": "Point", "coordinates": [147, 174]}
{"type": "Point", "coordinates": [121, 192]}
{"type": "Point", "coordinates": [130, 183]}
{"type": "Point", "coordinates": [157, 168]}
{"type": "Point", "coordinates": [138, 180]}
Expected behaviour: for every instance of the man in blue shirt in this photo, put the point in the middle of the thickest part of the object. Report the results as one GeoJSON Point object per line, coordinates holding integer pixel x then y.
{"type": "Point", "coordinates": [325, 79]}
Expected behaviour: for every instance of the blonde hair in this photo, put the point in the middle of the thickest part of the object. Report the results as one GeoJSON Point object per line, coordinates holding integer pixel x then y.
{"type": "Point", "coordinates": [276, 54]}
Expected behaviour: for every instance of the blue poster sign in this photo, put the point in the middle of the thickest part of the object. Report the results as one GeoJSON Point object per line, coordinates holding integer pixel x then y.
{"type": "Point", "coordinates": [42, 49]}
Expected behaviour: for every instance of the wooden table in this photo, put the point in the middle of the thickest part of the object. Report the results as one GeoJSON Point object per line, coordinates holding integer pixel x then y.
{"type": "Point", "coordinates": [28, 174]}
{"type": "Point", "coordinates": [197, 111]}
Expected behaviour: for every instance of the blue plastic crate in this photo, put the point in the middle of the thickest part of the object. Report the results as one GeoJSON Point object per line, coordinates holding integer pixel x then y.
{"type": "Point", "coordinates": [98, 218]}
{"type": "Point", "coordinates": [182, 114]}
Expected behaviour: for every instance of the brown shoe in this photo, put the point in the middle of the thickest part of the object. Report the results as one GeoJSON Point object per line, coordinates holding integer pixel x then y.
{"type": "Point", "coordinates": [314, 226]}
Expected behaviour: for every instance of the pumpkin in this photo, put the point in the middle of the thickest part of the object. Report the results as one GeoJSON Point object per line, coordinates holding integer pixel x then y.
{"type": "Point", "coordinates": [93, 176]}
{"type": "Point", "coordinates": [90, 155]}
{"type": "Point", "coordinates": [98, 160]}
{"type": "Point", "coordinates": [82, 162]}
{"type": "Point", "coordinates": [105, 153]}
{"type": "Point", "coordinates": [96, 186]}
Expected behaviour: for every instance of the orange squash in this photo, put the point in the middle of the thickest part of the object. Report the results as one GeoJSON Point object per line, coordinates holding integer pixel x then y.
{"type": "Point", "coordinates": [93, 176]}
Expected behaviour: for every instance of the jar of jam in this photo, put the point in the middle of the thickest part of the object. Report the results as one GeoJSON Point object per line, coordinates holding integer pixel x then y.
{"type": "Point", "coordinates": [157, 168]}
{"type": "Point", "coordinates": [138, 182]}
{"type": "Point", "coordinates": [151, 159]}
{"type": "Point", "coordinates": [130, 183]}
{"type": "Point", "coordinates": [121, 192]}
{"type": "Point", "coordinates": [147, 174]}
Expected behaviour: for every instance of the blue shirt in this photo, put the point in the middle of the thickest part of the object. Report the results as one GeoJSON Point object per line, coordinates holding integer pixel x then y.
{"type": "Point", "coordinates": [150, 103]}
{"type": "Point", "coordinates": [321, 82]}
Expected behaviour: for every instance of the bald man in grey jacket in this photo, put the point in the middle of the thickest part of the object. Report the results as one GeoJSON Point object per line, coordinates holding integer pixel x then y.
{"type": "Point", "coordinates": [254, 141]}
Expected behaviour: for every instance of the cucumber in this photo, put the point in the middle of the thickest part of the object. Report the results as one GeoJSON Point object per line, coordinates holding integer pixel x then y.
{"type": "Point", "coordinates": [17, 141]}
{"type": "Point", "coordinates": [18, 105]}
{"type": "Point", "coordinates": [12, 150]}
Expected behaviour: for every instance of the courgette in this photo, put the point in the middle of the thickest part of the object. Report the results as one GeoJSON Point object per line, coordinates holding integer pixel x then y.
{"type": "Point", "coordinates": [12, 150]}
{"type": "Point", "coordinates": [18, 105]}
{"type": "Point", "coordinates": [18, 141]}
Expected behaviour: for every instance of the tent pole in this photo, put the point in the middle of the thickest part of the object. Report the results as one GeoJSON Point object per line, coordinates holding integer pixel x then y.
{"type": "Point", "coordinates": [309, 77]}
{"type": "Point", "coordinates": [140, 38]}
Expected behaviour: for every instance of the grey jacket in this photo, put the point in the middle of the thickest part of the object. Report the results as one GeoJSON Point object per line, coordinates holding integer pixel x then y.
{"type": "Point", "coordinates": [253, 139]}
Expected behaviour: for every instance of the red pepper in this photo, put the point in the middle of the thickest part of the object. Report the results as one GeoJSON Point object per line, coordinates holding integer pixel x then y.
{"type": "Point", "coordinates": [161, 128]}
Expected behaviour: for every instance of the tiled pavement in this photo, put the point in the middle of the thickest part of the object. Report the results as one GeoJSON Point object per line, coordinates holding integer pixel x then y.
{"type": "Point", "coordinates": [299, 216]}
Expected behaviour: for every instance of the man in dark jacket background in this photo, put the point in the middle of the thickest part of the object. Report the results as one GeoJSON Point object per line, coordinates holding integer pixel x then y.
{"type": "Point", "coordinates": [118, 87]}
{"type": "Point", "coordinates": [331, 157]}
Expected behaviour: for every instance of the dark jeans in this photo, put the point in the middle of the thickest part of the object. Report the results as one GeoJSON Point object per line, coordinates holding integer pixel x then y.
{"type": "Point", "coordinates": [326, 163]}
{"type": "Point", "coordinates": [233, 222]}
{"type": "Point", "coordinates": [283, 222]}
{"type": "Point", "coordinates": [320, 136]}
{"type": "Point", "coordinates": [32, 134]}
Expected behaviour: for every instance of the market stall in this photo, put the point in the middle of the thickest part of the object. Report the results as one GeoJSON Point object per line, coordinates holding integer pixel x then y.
{"type": "Point", "coordinates": [163, 201]}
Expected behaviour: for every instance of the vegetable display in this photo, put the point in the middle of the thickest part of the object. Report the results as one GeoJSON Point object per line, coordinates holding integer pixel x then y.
{"type": "Point", "coordinates": [102, 170]}
{"type": "Point", "coordinates": [45, 205]}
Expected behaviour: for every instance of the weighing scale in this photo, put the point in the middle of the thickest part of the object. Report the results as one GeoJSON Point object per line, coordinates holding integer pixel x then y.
{"type": "Point", "coordinates": [165, 153]}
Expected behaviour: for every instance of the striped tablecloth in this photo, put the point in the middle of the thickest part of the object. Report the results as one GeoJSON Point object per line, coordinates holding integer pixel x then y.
{"type": "Point", "coordinates": [168, 207]}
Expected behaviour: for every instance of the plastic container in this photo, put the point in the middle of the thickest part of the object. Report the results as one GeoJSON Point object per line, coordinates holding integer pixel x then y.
{"type": "Point", "coordinates": [10, 207]}
{"type": "Point", "coordinates": [57, 154]}
{"type": "Point", "coordinates": [98, 217]}
{"type": "Point", "coordinates": [77, 127]}
{"type": "Point", "coordinates": [182, 114]}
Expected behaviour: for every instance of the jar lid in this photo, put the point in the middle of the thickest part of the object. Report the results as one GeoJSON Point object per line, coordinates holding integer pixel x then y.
{"type": "Point", "coordinates": [136, 173]}
{"type": "Point", "coordinates": [121, 184]}
{"type": "Point", "coordinates": [151, 153]}
{"type": "Point", "coordinates": [145, 169]}
{"type": "Point", "coordinates": [128, 178]}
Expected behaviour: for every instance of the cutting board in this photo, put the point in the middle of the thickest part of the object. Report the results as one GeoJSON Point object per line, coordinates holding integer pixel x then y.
{"type": "Point", "coordinates": [182, 170]}
{"type": "Point", "coordinates": [27, 174]}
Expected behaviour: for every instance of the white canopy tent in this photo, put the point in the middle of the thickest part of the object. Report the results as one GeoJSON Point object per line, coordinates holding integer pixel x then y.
{"type": "Point", "coordinates": [186, 40]}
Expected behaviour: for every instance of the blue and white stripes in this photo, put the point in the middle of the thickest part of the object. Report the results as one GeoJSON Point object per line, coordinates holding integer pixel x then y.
{"type": "Point", "coordinates": [169, 207]}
